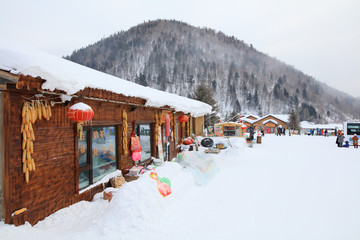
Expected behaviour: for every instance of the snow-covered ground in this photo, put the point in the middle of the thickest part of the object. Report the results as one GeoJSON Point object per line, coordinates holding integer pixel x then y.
{"type": "Point", "coordinates": [298, 187]}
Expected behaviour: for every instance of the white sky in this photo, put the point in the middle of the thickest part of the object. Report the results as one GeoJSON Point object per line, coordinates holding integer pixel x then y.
{"type": "Point", "coordinates": [319, 37]}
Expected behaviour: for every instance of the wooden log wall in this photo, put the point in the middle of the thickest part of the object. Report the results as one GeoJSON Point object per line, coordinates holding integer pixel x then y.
{"type": "Point", "coordinates": [54, 184]}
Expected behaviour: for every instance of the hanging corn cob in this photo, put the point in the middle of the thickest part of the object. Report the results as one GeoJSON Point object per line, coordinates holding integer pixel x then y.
{"type": "Point", "coordinates": [156, 127]}
{"type": "Point", "coordinates": [125, 127]}
{"type": "Point", "coordinates": [30, 113]}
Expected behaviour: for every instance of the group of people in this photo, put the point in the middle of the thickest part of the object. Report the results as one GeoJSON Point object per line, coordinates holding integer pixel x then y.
{"type": "Point", "coordinates": [280, 131]}
{"type": "Point", "coordinates": [320, 132]}
{"type": "Point", "coordinates": [340, 140]}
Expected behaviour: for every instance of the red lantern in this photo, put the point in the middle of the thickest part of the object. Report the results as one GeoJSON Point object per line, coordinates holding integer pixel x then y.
{"type": "Point", "coordinates": [80, 112]}
{"type": "Point", "coordinates": [243, 127]}
{"type": "Point", "coordinates": [188, 141]}
{"type": "Point", "coordinates": [183, 118]}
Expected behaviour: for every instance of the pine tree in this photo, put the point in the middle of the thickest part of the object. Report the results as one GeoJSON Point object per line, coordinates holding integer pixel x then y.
{"type": "Point", "coordinates": [205, 94]}
{"type": "Point", "coordinates": [293, 120]}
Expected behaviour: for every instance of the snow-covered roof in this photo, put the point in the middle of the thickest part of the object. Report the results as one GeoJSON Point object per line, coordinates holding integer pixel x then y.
{"type": "Point", "coordinates": [229, 123]}
{"type": "Point", "coordinates": [251, 115]}
{"type": "Point", "coordinates": [310, 125]}
{"type": "Point", "coordinates": [270, 120]}
{"type": "Point", "coordinates": [71, 77]}
{"type": "Point", "coordinates": [251, 121]}
{"type": "Point", "coordinates": [282, 117]}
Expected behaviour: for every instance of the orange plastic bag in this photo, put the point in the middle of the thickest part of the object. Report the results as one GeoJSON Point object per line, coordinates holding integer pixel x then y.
{"type": "Point", "coordinates": [135, 143]}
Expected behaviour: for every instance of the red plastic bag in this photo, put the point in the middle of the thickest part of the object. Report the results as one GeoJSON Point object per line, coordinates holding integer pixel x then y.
{"type": "Point", "coordinates": [136, 155]}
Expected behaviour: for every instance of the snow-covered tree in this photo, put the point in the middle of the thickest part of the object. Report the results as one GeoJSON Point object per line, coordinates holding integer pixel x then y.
{"type": "Point", "coordinates": [204, 93]}
{"type": "Point", "coordinates": [293, 120]}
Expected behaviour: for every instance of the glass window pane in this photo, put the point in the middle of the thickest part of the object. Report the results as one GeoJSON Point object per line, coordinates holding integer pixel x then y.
{"type": "Point", "coordinates": [145, 141]}
{"type": "Point", "coordinates": [84, 179]}
{"type": "Point", "coordinates": [103, 151]}
{"type": "Point", "coordinates": [82, 148]}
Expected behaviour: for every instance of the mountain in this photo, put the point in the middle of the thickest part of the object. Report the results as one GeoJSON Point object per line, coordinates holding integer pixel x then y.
{"type": "Point", "coordinates": [176, 57]}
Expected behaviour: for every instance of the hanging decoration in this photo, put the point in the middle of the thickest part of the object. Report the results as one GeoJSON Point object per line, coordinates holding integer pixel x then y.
{"type": "Point", "coordinates": [167, 126]}
{"type": "Point", "coordinates": [136, 148]}
{"type": "Point", "coordinates": [243, 127]}
{"type": "Point", "coordinates": [183, 119]}
{"type": "Point", "coordinates": [80, 113]}
{"type": "Point", "coordinates": [31, 111]}
{"type": "Point", "coordinates": [124, 134]}
{"type": "Point", "coordinates": [189, 126]}
{"type": "Point", "coordinates": [173, 136]}
{"type": "Point", "coordinates": [156, 127]}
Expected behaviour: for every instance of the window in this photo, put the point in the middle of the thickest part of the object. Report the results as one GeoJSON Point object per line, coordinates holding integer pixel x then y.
{"type": "Point", "coordinates": [229, 131]}
{"type": "Point", "coordinates": [144, 132]}
{"type": "Point", "coordinates": [97, 154]}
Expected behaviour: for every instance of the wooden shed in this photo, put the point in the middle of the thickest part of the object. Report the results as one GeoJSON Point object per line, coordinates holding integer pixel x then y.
{"type": "Point", "coordinates": [228, 129]}
{"type": "Point", "coordinates": [47, 163]}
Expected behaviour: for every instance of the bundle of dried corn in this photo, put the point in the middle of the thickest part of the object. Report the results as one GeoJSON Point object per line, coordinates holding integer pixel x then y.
{"type": "Point", "coordinates": [156, 127]}
{"type": "Point", "coordinates": [31, 111]}
{"type": "Point", "coordinates": [125, 139]}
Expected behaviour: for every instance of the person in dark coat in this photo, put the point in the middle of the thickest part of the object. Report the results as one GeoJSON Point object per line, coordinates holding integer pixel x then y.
{"type": "Point", "coordinates": [251, 131]}
{"type": "Point", "coordinates": [340, 140]}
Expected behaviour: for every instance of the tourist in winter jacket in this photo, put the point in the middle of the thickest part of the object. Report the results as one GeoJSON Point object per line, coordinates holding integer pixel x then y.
{"type": "Point", "coordinates": [340, 140]}
{"type": "Point", "coordinates": [355, 141]}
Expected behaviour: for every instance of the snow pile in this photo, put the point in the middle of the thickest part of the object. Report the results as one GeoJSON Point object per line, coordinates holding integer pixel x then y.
{"type": "Point", "coordinates": [288, 187]}
{"type": "Point", "coordinates": [72, 77]}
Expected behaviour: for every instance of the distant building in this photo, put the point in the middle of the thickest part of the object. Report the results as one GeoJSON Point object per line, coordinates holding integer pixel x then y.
{"type": "Point", "coordinates": [268, 123]}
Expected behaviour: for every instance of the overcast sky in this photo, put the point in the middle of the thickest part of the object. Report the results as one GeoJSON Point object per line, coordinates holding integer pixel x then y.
{"type": "Point", "coordinates": [319, 37]}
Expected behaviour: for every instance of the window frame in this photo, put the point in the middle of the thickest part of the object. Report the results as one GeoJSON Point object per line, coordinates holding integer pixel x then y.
{"type": "Point", "coordinates": [152, 140]}
{"type": "Point", "coordinates": [89, 161]}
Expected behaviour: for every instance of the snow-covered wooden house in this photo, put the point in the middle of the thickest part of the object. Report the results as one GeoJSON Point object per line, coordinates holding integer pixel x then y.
{"type": "Point", "coordinates": [48, 163]}
{"type": "Point", "coordinates": [268, 123]}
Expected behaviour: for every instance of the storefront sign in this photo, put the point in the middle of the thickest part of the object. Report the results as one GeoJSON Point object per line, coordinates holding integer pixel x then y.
{"type": "Point", "coordinates": [219, 131]}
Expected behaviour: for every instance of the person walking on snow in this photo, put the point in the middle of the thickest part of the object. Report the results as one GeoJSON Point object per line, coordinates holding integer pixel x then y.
{"type": "Point", "coordinates": [340, 140]}
{"type": "Point", "coordinates": [355, 141]}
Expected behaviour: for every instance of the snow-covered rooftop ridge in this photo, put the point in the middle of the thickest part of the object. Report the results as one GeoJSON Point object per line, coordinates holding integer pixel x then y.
{"type": "Point", "coordinates": [72, 77]}
{"type": "Point", "coordinates": [310, 125]}
{"type": "Point", "coordinates": [251, 121]}
{"type": "Point", "coordinates": [252, 115]}
{"type": "Point", "coordinates": [270, 120]}
{"type": "Point", "coordinates": [282, 117]}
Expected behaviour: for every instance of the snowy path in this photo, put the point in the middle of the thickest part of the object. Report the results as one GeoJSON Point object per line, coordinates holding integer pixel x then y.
{"type": "Point", "coordinates": [294, 187]}
{"type": "Point", "coordinates": [289, 188]}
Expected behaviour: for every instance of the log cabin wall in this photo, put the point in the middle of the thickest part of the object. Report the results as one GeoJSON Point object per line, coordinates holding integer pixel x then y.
{"type": "Point", "coordinates": [2, 209]}
{"type": "Point", "coordinates": [54, 184]}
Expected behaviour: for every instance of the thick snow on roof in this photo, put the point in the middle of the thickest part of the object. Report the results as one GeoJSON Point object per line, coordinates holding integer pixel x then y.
{"type": "Point", "coordinates": [251, 121]}
{"type": "Point", "coordinates": [282, 117]}
{"type": "Point", "coordinates": [310, 125]}
{"type": "Point", "coordinates": [270, 120]}
{"type": "Point", "coordinates": [251, 115]}
{"type": "Point", "coordinates": [72, 77]}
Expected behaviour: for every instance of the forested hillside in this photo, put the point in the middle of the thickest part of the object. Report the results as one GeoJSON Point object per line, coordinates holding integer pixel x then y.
{"type": "Point", "coordinates": [176, 57]}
